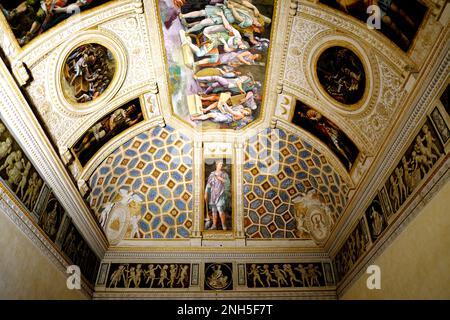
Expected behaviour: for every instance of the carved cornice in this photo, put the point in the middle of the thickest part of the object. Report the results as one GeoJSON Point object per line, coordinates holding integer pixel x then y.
{"type": "Point", "coordinates": [248, 295]}
{"type": "Point", "coordinates": [215, 255]}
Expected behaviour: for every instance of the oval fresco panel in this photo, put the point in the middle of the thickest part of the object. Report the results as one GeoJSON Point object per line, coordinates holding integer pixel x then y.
{"type": "Point", "coordinates": [87, 73]}
{"type": "Point", "coordinates": [341, 74]}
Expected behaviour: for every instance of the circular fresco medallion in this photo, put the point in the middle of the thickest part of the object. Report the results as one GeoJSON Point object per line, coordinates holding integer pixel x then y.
{"type": "Point", "coordinates": [218, 276]}
{"type": "Point", "coordinates": [87, 73]}
{"type": "Point", "coordinates": [341, 74]}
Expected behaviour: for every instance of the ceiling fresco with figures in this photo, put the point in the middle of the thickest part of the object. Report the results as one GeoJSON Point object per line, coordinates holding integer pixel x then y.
{"type": "Point", "coordinates": [218, 119]}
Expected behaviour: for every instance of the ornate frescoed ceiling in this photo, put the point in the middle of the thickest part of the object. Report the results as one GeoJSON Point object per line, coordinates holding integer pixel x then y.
{"type": "Point", "coordinates": [230, 124]}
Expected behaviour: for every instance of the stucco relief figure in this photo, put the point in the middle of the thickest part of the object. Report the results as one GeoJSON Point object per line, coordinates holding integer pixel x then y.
{"type": "Point", "coordinates": [88, 72]}
{"type": "Point", "coordinates": [313, 216]}
{"type": "Point", "coordinates": [183, 276]}
{"type": "Point", "coordinates": [377, 222]}
{"type": "Point", "coordinates": [150, 274]}
{"type": "Point", "coordinates": [406, 165]}
{"type": "Point", "coordinates": [353, 249]}
{"type": "Point", "coordinates": [20, 191]}
{"type": "Point", "coordinates": [51, 219]}
{"type": "Point", "coordinates": [218, 198]}
{"type": "Point", "coordinates": [266, 271]}
{"type": "Point", "coordinates": [16, 172]}
{"type": "Point", "coordinates": [69, 246]}
{"type": "Point", "coordinates": [5, 148]}
{"type": "Point", "coordinates": [285, 276]}
{"type": "Point", "coordinates": [342, 75]}
{"type": "Point", "coordinates": [280, 276]}
{"type": "Point", "coordinates": [440, 124]}
{"type": "Point", "coordinates": [395, 194]}
{"type": "Point", "coordinates": [304, 274]}
{"type": "Point", "coordinates": [401, 184]}
{"type": "Point", "coordinates": [255, 272]}
{"type": "Point", "coordinates": [216, 47]}
{"type": "Point", "coordinates": [117, 276]}
{"type": "Point", "coordinates": [173, 275]}
{"type": "Point", "coordinates": [30, 18]}
{"type": "Point", "coordinates": [134, 222]}
{"type": "Point", "coordinates": [32, 192]}
{"type": "Point", "coordinates": [217, 279]}
{"type": "Point", "coordinates": [417, 162]}
{"type": "Point", "coordinates": [163, 276]}
{"type": "Point", "coordinates": [313, 274]}
{"type": "Point", "coordinates": [117, 216]}
{"type": "Point", "coordinates": [400, 19]}
{"type": "Point", "coordinates": [376, 219]}
{"type": "Point", "coordinates": [105, 213]}
{"type": "Point", "coordinates": [292, 277]}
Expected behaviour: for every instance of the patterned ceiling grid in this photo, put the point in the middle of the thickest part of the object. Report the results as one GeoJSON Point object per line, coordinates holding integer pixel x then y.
{"type": "Point", "coordinates": [279, 167]}
{"type": "Point", "coordinates": [156, 165]}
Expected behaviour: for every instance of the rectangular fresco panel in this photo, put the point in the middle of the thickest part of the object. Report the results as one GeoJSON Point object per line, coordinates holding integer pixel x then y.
{"type": "Point", "coordinates": [217, 194]}
{"type": "Point", "coordinates": [285, 275]}
{"type": "Point", "coordinates": [148, 276]}
{"type": "Point", "coordinates": [106, 129]}
{"type": "Point", "coordinates": [440, 124]}
{"type": "Point", "coordinates": [445, 99]}
{"type": "Point", "coordinates": [30, 18]}
{"type": "Point", "coordinates": [329, 133]}
{"type": "Point", "coordinates": [78, 251]}
{"type": "Point", "coordinates": [17, 171]}
{"type": "Point", "coordinates": [217, 53]}
{"type": "Point", "coordinates": [376, 219]}
{"type": "Point", "coordinates": [51, 217]}
{"type": "Point", "coordinates": [416, 163]}
{"type": "Point", "coordinates": [400, 19]}
{"type": "Point", "coordinates": [23, 180]}
{"type": "Point", "coordinates": [353, 249]}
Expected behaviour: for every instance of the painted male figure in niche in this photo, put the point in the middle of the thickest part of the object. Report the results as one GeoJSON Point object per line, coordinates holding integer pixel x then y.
{"type": "Point", "coordinates": [400, 19]}
{"type": "Point", "coordinates": [218, 199]}
{"type": "Point", "coordinates": [328, 132]}
{"type": "Point", "coordinates": [445, 99]}
{"type": "Point", "coordinates": [217, 52]}
{"type": "Point", "coordinates": [51, 218]}
{"type": "Point", "coordinates": [375, 219]}
{"type": "Point", "coordinates": [342, 75]}
{"type": "Point", "coordinates": [30, 18]}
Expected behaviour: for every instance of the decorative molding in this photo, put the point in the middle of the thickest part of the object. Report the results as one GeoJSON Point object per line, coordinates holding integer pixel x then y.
{"type": "Point", "coordinates": [234, 294]}
{"type": "Point", "coordinates": [251, 254]}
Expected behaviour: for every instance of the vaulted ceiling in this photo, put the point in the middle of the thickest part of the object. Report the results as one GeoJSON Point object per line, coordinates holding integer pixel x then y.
{"type": "Point", "coordinates": [310, 132]}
